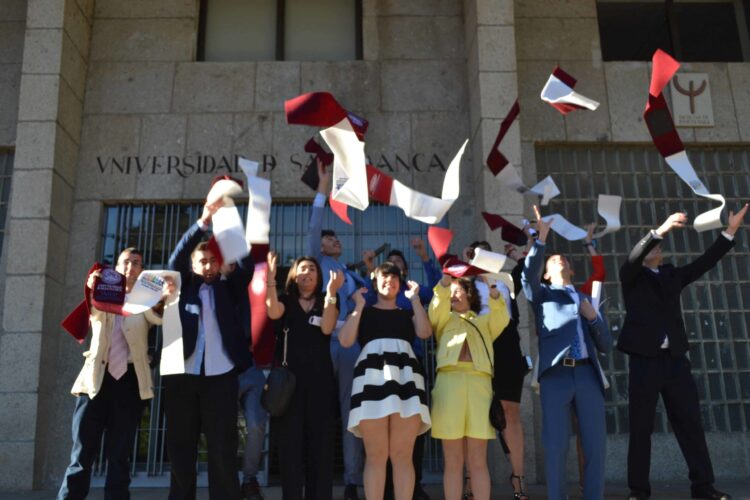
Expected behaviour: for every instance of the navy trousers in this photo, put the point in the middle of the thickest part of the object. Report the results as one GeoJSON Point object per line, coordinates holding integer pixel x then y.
{"type": "Point", "coordinates": [117, 409]}
{"type": "Point", "coordinates": [563, 388]}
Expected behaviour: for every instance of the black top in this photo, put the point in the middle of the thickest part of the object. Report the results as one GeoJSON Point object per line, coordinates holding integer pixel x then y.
{"type": "Point", "coordinates": [308, 348]}
{"type": "Point", "coordinates": [385, 324]}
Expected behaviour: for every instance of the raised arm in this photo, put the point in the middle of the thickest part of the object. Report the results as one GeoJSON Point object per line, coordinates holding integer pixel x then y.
{"type": "Point", "coordinates": [632, 266]}
{"type": "Point", "coordinates": [532, 269]}
{"type": "Point", "coordinates": [439, 311]}
{"type": "Point", "coordinates": [421, 322]}
{"type": "Point", "coordinates": [498, 315]}
{"type": "Point", "coordinates": [274, 307]}
{"type": "Point", "coordinates": [180, 259]}
{"type": "Point", "coordinates": [315, 226]}
{"type": "Point", "coordinates": [597, 326]}
{"type": "Point", "coordinates": [348, 333]}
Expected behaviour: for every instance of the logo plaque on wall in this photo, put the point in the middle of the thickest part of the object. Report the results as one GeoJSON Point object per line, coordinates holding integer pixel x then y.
{"type": "Point", "coordinates": [691, 100]}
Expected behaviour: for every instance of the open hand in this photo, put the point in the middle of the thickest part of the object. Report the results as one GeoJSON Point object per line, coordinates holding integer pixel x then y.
{"type": "Point", "coordinates": [735, 220]}
{"type": "Point", "coordinates": [677, 219]}
{"type": "Point", "coordinates": [324, 178]}
{"type": "Point", "coordinates": [359, 297]}
{"type": "Point", "coordinates": [335, 282]}
{"type": "Point", "coordinates": [412, 290]}
{"type": "Point", "coordinates": [272, 259]}
{"type": "Point", "coordinates": [587, 310]}
{"type": "Point", "coordinates": [542, 227]}
{"type": "Point", "coordinates": [92, 277]}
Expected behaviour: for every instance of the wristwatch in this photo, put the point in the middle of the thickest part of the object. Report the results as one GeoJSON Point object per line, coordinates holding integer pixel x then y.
{"type": "Point", "coordinates": [330, 300]}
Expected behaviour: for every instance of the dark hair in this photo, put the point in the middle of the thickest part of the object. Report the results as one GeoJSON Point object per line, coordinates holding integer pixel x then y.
{"type": "Point", "coordinates": [327, 232]}
{"type": "Point", "coordinates": [291, 284]}
{"type": "Point", "coordinates": [132, 250]}
{"type": "Point", "coordinates": [482, 243]}
{"type": "Point", "coordinates": [472, 294]}
{"type": "Point", "coordinates": [200, 247]}
{"type": "Point", "coordinates": [389, 268]}
{"type": "Point", "coordinates": [398, 253]}
{"type": "Point", "coordinates": [544, 280]}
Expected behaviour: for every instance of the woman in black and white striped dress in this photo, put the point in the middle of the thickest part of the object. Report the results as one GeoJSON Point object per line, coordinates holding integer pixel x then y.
{"type": "Point", "coordinates": [389, 404]}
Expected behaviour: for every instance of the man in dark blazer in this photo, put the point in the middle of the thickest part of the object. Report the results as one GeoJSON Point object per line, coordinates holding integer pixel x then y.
{"type": "Point", "coordinates": [653, 336]}
{"type": "Point", "coordinates": [571, 332]}
{"type": "Point", "coordinates": [204, 398]}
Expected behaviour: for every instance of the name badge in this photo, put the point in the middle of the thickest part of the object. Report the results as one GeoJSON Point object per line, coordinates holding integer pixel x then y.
{"type": "Point", "coordinates": [193, 309]}
{"type": "Point", "coordinates": [315, 320]}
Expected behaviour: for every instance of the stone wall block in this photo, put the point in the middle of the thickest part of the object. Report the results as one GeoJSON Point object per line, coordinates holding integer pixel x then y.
{"type": "Point", "coordinates": [424, 86]}
{"type": "Point", "coordinates": [103, 139]}
{"type": "Point", "coordinates": [475, 110]}
{"type": "Point", "coordinates": [206, 87]}
{"type": "Point", "coordinates": [587, 125]}
{"type": "Point", "coordinates": [389, 133]}
{"type": "Point", "coordinates": [13, 10]}
{"type": "Point", "coordinates": [66, 154]}
{"type": "Point", "coordinates": [27, 246]}
{"type": "Point", "coordinates": [725, 127]}
{"type": "Point", "coordinates": [421, 37]}
{"type": "Point", "coordinates": [497, 93]}
{"type": "Point", "coordinates": [19, 362]}
{"type": "Point", "coordinates": [556, 39]}
{"type": "Point", "coordinates": [370, 39]}
{"type": "Point", "coordinates": [11, 42]}
{"type": "Point", "coordinates": [419, 8]}
{"type": "Point", "coordinates": [288, 142]}
{"type": "Point", "coordinates": [36, 145]}
{"type": "Point", "coordinates": [77, 27]}
{"type": "Point", "coordinates": [496, 46]}
{"type": "Point", "coordinates": [510, 146]}
{"type": "Point", "coordinates": [143, 40]}
{"type": "Point", "coordinates": [10, 84]}
{"type": "Point", "coordinates": [253, 136]}
{"type": "Point", "coordinates": [45, 14]}
{"type": "Point", "coordinates": [22, 297]}
{"type": "Point", "coordinates": [739, 78]}
{"type": "Point", "coordinates": [87, 7]}
{"type": "Point", "coordinates": [146, 8]}
{"type": "Point", "coordinates": [84, 244]}
{"type": "Point", "coordinates": [32, 192]}
{"type": "Point", "coordinates": [39, 97]}
{"type": "Point", "coordinates": [70, 111]}
{"type": "Point", "coordinates": [129, 87]}
{"type": "Point", "coordinates": [18, 414]}
{"type": "Point", "coordinates": [52, 314]}
{"type": "Point", "coordinates": [556, 8]}
{"type": "Point", "coordinates": [494, 12]}
{"type": "Point", "coordinates": [18, 459]}
{"type": "Point", "coordinates": [345, 80]}
{"type": "Point", "coordinates": [539, 120]}
{"type": "Point", "coordinates": [275, 82]}
{"type": "Point", "coordinates": [627, 91]}
{"type": "Point", "coordinates": [499, 200]}
{"type": "Point", "coordinates": [61, 202]}
{"type": "Point", "coordinates": [161, 151]}
{"type": "Point", "coordinates": [73, 67]}
{"type": "Point", "coordinates": [208, 134]}
{"type": "Point", "coordinates": [42, 49]}
{"type": "Point", "coordinates": [470, 22]}
{"type": "Point", "coordinates": [56, 257]}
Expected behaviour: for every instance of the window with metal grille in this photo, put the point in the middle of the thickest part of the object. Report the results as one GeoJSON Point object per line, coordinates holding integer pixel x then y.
{"type": "Point", "coordinates": [6, 171]}
{"type": "Point", "coordinates": [281, 30]}
{"type": "Point", "coordinates": [716, 307]}
{"type": "Point", "coordinates": [156, 229]}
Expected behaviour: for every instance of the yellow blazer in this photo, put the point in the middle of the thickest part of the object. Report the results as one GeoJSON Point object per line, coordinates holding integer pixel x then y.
{"type": "Point", "coordinates": [452, 331]}
{"type": "Point", "coordinates": [135, 329]}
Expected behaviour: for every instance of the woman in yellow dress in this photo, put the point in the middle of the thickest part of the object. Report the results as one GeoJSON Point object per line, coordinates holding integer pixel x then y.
{"type": "Point", "coordinates": [463, 389]}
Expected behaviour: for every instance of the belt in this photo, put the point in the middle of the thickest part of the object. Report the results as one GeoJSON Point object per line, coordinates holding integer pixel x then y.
{"type": "Point", "coordinates": [572, 362]}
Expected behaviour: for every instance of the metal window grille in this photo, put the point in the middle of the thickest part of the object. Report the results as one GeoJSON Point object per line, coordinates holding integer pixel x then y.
{"type": "Point", "coordinates": [6, 171]}
{"type": "Point", "coordinates": [156, 228]}
{"type": "Point", "coordinates": [716, 307]}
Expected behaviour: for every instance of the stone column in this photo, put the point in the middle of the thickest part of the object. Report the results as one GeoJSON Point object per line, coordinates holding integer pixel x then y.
{"type": "Point", "coordinates": [493, 87]}
{"type": "Point", "coordinates": [49, 126]}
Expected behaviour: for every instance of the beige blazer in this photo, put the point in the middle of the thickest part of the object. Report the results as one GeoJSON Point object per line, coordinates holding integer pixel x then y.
{"type": "Point", "coordinates": [135, 329]}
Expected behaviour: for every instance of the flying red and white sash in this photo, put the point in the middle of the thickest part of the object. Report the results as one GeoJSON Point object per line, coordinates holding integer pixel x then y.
{"type": "Point", "coordinates": [228, 242]}
{"type": "Point", "coordinates": [507, 174]}
{"type": "Point", "coordinates": [349, 170]}
{"type": "Point", "coordinates": [667, 141]}
{"type": "Point", "coordinates": [483, 262]}
{"type": "Point", "coordinates": [559, 93]}
{"type": "Point", "coordinates": [608, 207]}
{"type": "Point", "coordinates": [321, 109]}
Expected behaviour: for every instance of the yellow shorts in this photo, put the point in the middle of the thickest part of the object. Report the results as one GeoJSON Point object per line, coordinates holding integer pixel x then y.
{"type": "Point", "coordinates": [461, 403]}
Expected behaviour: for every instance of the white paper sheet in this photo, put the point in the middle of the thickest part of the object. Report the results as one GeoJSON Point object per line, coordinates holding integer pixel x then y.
{"type": "Point", "coordinates": [546, 188]}
{"type": "Point", "coordinates": [258, 223]}
{"type": "Point", "coordinates": [425, 208]}
{"type": "Point", "coordinates": [557, 92]}
{"type": "Point", "coordinates": [711, 219]}
{"type": "Point", "coordinates": [349, 165]}
{"type": "Point", "coordinates": [172, 355]}
{"type": "Point", "coordinates": [147, 291]}
{"type": "Point", "coordinates": [596, 294]}
{"type": "Point", "coordinates": [565, 228]}
{"type": "Point", "coordinates": [489, 261]}
{"type": "Point", "coordinates": [230, 232]}
{"type": "Point", "coordinates": [608, 207]}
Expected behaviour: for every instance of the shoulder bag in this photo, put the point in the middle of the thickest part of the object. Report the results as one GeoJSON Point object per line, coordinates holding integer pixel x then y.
{"type": "Point", "coordinates": [279, 387]}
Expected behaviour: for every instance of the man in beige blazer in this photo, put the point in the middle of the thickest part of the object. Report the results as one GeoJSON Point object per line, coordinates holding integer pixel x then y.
{"type": "Point", "coordinates": [111, 390]}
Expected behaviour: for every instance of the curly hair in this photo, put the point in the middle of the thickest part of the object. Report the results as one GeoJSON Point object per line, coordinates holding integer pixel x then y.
{"type": "Point", "coordinates": [472, 294]}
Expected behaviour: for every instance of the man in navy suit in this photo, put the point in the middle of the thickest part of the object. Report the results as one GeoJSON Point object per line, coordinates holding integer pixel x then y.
{"type": "Point", "coordinates": [653, 336]}
{"type": "Point", "coordinates": [215, 347]}
{"type": "Point", "coordinates": [570, 333]}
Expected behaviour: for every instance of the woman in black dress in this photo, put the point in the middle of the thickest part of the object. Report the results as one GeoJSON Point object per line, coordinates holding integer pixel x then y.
{"type": "Point", "coordinates": [306, 433]}
{"type": "Point", "coordinates": [389, 404]}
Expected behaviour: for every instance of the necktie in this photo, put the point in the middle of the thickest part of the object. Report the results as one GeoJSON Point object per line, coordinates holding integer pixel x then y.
{"type": "Point", "coordinates": [118, 351]}
{"type": "Point", "coordinates": [575, 346]}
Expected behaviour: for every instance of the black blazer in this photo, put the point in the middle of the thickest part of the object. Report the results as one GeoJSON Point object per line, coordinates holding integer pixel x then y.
{"type": "Point", "coordinates": [652, 301]}
{"type": "Point", "coordinates": [230, 299]}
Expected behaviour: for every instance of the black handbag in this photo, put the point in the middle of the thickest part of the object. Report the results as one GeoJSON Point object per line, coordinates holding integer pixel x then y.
{"type": "Point", "coordinates": [497, 414]}
{"type": "Point", "coordinates": [279, 387]}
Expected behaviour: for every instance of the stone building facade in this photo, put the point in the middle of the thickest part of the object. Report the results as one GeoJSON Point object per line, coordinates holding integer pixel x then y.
{"type": "Point", "coordinates": [104, 102]}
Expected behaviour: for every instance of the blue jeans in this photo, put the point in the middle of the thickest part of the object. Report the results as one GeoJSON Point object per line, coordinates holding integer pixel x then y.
{"type": "Point", "coordinates": [251, 383]}
{"type": "Point", "coordinates": [117, 408]}
{"type": "Point", "coordinates": [344, 360]}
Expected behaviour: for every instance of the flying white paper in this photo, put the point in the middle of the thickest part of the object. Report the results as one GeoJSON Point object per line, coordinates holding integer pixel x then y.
{"type": "Point", "coordinates": [546, 188]}
{"type": "Point", "coordinates": [258, 223]}
{"type": "Point", "coordinates": [557, 92]}
{"type": "Point", "coordinates": [489, 261]}
{"type": "Point", "coordinates": [608, 207]}
{"type": "Point", "coordinates": [227, 224]}
{"type": "Point", "coordinates": [349, 165]}
{"type": "Point", "coordinates": [172, 356]}
{"type": "Point", "coordinates": [711, 219]}
{"type": "Point", "coordinates": [147, 291]}
{"type": "Point", "coordinates": [596, 294]}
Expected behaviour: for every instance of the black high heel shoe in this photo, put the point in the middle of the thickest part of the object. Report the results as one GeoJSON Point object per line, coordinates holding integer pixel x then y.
{"type": "Point", "coordinates": [520, 494]}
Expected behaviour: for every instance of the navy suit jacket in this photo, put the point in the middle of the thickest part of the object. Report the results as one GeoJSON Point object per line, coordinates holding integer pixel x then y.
{"type": "Point", "coordinates": [556, 315]}
{"type": "Point", "coordinates": [230, 296]}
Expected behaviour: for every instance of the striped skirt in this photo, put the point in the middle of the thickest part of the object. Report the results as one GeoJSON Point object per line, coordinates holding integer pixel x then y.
{"type": "Point", "coordinates": [387, 380]}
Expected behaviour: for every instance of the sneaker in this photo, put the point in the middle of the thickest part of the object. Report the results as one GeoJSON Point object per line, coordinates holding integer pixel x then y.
{"type": "Point", "coordinates": [350, 492]}
{"type": "Point", "coordinates": [251, 490]}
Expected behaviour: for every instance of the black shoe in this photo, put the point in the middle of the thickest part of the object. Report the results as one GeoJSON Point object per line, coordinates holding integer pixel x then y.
{"type": "Point", "coordinates": [709, 492]}
{"type": "Point", "coordinates": [638, 495]}
{"type": "Point", "coordinates": [251, 490]}
{"type": "Point", "coordinates": [350, 492]}
{"type": "Point", "coordinates": [420, 493]}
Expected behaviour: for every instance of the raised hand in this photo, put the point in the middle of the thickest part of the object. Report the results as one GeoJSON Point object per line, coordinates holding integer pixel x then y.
{"type": "Point", "coordinates": [467, 254]}
{"type": "Point", "coordinates": [324, 179]}
{"type": "Point", "coordinates": [412, 290]}
{"type": "Point", "coordinates": [272, 259]}
{"type": "Point", "coordinates": [368, 257]}
{"type": "Point", "coordinates": [735, 220]}
{"type": "Point", "coordinates": [209, 209]}
{"type": "Point", "coordinates": [678, 219]}
{"type": "Point", "coordinates": [587, 310]}
{"type": "Point", "coordinates": [359, 297]}
{"type": "Point", "coordinates": [590, 232]}
{"type": "Point", "coordinates": [92, 277]}
{"type": "Point", "coordinates": [418, 245]}
{"type": "Point", "coordinates": [335, 282]}
{"type": "Point", "coordinates": [542, 227]}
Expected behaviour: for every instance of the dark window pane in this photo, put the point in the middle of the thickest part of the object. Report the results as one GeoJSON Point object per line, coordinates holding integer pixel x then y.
{"type": "Point", "coordinates": [632, 31]}
{"type": "Point", "coordinates": [708, 31]}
